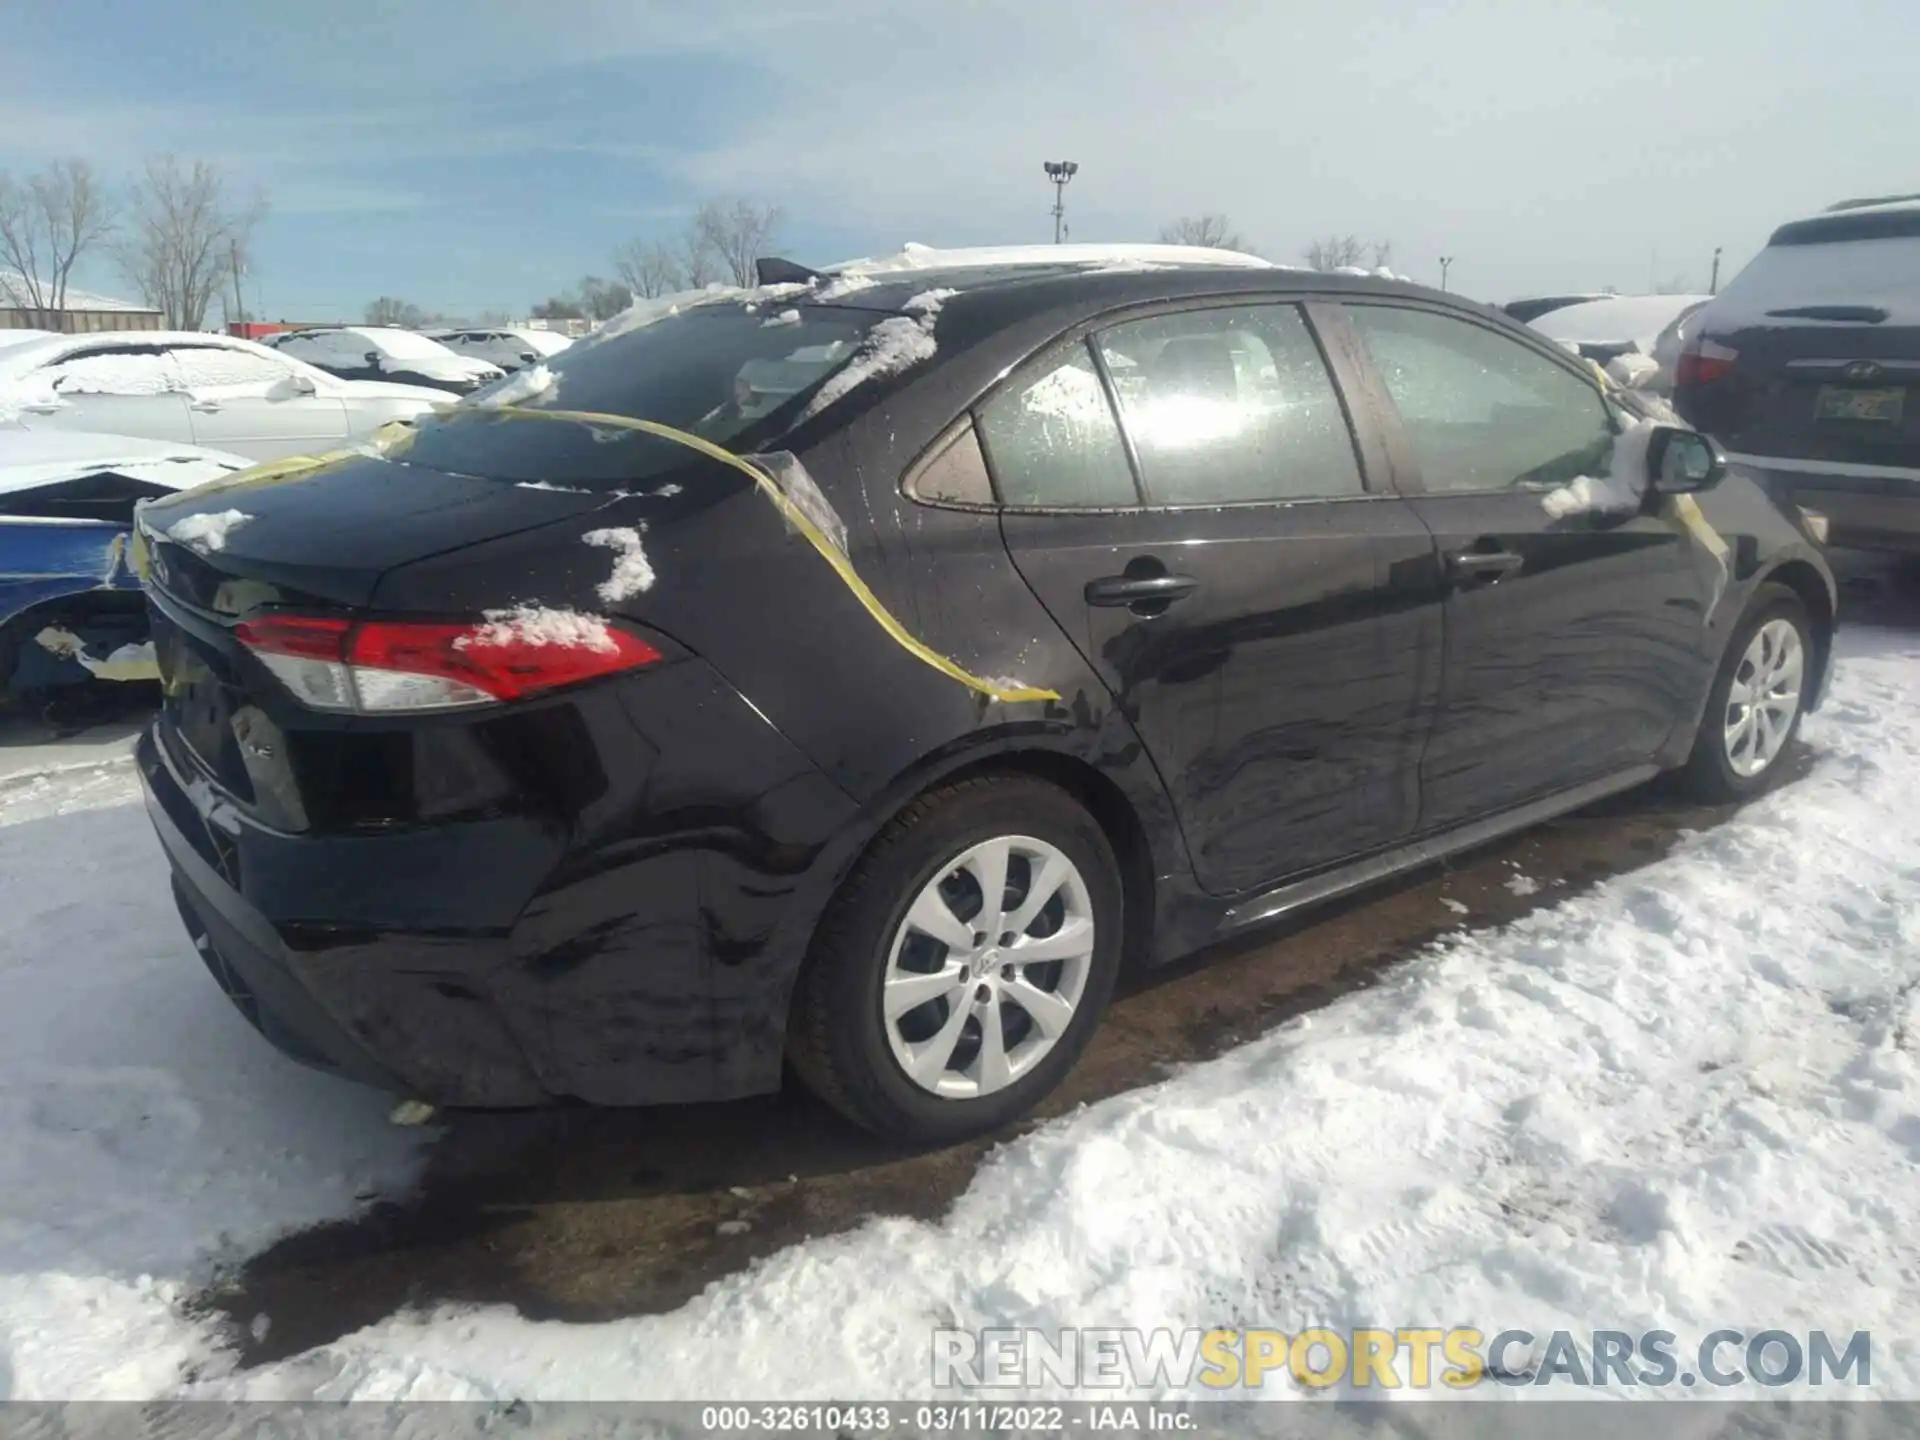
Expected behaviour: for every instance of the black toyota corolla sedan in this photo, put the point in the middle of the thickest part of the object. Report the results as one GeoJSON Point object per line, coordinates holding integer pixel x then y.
{"type": "Point", "coordinates": [858, 672]}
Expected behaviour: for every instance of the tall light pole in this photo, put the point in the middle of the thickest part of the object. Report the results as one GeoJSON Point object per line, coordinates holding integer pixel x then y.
{"type": "Point", "coordinates": [1713, 285]}
{"type": "Point", "coordinates": [1446, 263]}
{"type": "Point", "coordinates": [1060, 172]}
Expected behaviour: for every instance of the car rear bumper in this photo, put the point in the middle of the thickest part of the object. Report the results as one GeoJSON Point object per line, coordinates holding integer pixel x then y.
{"type": "Point", "coordinates": [405, 1012]}
{"type": "Point", "coordinates": [516, 960]}
{"type": "Point", "coordinates": [1867, 507]}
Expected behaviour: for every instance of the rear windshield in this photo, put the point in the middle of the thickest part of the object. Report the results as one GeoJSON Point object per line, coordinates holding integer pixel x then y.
{"type": "Point", "coordinates": [401, 344]}
{"type": "Point", "coordinates": [735, 376]}
{"type": "Point", "coordinates": [1841, 266]}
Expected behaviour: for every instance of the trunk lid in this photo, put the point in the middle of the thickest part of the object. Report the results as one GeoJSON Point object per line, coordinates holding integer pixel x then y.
{"type": "Point", "coordinates": [329, 535]}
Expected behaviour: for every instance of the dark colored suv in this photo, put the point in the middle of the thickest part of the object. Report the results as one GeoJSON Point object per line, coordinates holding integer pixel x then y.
{"type": "Point", "coordinates": [1060, 617]}
{"type": "Point", "coordinates": [1807, 367]}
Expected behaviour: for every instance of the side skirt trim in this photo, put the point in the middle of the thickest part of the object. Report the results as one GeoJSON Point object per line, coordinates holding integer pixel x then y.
{"type": "Point", "coordinates": [1371, 869]}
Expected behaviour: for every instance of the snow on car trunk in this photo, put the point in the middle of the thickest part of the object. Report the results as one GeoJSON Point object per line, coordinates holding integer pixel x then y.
{"type": "Point", "coordinates": [1688, 1099]}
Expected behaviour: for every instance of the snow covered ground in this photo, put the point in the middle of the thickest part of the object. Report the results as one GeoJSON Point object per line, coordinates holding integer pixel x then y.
{"type": "Point", "coordinates": [1687, 1099]}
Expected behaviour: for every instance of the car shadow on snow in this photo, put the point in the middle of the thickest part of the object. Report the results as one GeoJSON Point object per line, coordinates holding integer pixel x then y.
{"type": "Point", "coordinates": [587, 1215]}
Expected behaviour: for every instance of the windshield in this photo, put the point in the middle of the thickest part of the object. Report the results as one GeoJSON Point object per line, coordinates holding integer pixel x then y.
{"type": "Point", "coordinates": [734, 376]}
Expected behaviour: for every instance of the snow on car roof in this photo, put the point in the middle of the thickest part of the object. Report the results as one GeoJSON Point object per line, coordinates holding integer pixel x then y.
{"type": "Point", "coordinates": [913, 256]}
{"type": "Point", "coordinates": [1618, 318]}
{"type": "Point", "coordinates": [32, 354]}
{"type": "Point", "coordinates": [31, 458]}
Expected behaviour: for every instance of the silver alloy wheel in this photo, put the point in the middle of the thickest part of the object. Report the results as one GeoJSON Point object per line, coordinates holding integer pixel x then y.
{"type": "Point", "coordinates": [986, 970]}
{"type": "Point", "coordinates": [1764, 698]}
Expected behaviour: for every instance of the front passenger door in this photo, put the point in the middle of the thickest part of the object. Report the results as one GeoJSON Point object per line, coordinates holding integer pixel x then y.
{"type": "Point", "coordinates": [1268, 623]}
{"type": "Point", "coordinates": [1572, 642]}
{"type": "Point", "coordinates": [251, 404]}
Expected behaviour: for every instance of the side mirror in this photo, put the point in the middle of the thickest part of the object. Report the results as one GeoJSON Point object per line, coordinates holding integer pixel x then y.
{"type": "Point", "coordinates": [527, 357]}
{"type": "Point", "coordinates": [1681, 462]}
{"type": "Point", "coordinates": [291, 387]}
{"type": "Point", "coordinates": [373, 358]}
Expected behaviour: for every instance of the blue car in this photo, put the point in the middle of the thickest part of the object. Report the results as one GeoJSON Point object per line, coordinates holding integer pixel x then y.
{"type": "Point", "coordinates": [71, 614]}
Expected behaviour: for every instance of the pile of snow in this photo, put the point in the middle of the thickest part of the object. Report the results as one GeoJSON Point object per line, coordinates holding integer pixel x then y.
{"type": "Point", "coordinates": [534, 381]}
{"type": "Point", "coordinates": [914, 256]}
{"type": "Point", "coordinates": [33, 458]}
{"type": "Point", "coordinates": [148, 1135]}
{"type": "Point", "coordinates": [1619, 490]}
{"type": "Point", "coordinates": [540, 625]}
{"type": "Point", "coordinates": [207, 532]}
{"type": "Point", "coordinates": [896, 344]}
{"type": "Point", "coordinates": [632, 573]}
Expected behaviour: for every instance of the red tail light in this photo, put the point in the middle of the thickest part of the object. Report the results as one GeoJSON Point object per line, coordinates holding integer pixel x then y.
{"type": "Point", "coordinates": [1701, 363]}
{"type": "Point", "coordinates": [378, 667]}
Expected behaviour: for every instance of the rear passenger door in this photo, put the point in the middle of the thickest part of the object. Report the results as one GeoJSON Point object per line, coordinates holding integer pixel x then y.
{"type": "Point", "coordinates": [1572, 643]}
{"type": "Point", "coordinates": [1184, 493]}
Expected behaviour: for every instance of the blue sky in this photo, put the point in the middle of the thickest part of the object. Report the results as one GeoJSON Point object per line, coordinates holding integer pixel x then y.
{"type": "Point", "coordinates": [473, 154]}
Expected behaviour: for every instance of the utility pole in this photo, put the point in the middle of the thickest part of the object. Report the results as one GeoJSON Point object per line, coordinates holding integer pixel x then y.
{"type": "Point", "coordinates": [233, 264]}
{"type": "Point", "coordinates": [1713, 285]}
{"type": "Point", "coordinates": [1446, 263]}
{"type": "Point", "coordinates": [1060, 172]}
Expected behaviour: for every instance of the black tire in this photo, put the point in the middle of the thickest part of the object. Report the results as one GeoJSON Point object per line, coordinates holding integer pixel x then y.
{"type": "Point", "coordinates": [837, 1035]}
{"type": "Point", "coordinates": [1709, 774]}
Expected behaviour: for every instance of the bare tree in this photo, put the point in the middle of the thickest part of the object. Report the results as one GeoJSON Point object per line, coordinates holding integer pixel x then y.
{"type": "Point", "coordinates": [1211, 230]}
{"type": "Point", "coordinates": [603, 299]}
{"type": "Point", "coordinates": [47, 224]}
{"type": "Point", "coordinates": [649, 268]}
{"type": "Point", "coordinates": [734, 234]}
{"type": "Point", "coordinates": [1336, 252]}
{"type": "Point", "coordinates": [390, 310]}
{"type": "Point", "coordinates": [1382, 253]}
{"type": "Point", "coordinates": [188, 238]}
{"type": "Point", "coordinates": [1673, 285]}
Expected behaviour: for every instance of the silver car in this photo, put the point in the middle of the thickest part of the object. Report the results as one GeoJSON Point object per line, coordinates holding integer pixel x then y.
{"type": "Point", "coordinates": [185, 387]}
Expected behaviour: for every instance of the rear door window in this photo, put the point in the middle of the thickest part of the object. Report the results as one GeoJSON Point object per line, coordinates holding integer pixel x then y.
{"type": "Point", "coordinates": [1483, 412]}
{"type": "Point", "coordinates": [1230, 405]}
{"type": "Point", "coordinates": [1052, 440]}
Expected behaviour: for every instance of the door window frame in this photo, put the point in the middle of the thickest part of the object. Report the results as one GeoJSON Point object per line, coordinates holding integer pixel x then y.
{"type": "Point", "coordinates": [1333, 336]}
{"type": "Point", "coordinates": [1402, 459]}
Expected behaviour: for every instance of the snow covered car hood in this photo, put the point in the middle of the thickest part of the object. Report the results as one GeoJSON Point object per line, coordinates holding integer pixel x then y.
{"type": "Point", "coordinates": [1636, 320]}
{"type": "Point", "coordinates": [32, 459]}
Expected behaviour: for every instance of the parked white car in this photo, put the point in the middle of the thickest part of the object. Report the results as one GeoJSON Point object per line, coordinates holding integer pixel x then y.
{"type": "Point", "coordinates": [381, 352]}
{"type": "Point", "coordinates": [1644, 333]}
{"type": "Point", "coordinates": [210, 390]}
{"type": "Point", "coordinates": [509, 347]}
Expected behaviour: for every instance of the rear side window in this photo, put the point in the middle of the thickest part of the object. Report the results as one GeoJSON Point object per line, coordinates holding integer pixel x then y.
{"type": "Point", "coordinates": [1483, 412]}
{"type": "Point", "coordinates": [1052, 440]}
{"type": "Point", "coordinates": [1230, 405]}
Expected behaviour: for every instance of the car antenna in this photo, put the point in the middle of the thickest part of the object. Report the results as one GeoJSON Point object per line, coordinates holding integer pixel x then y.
{"type": "Point", "coordinates": [771, 270]}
